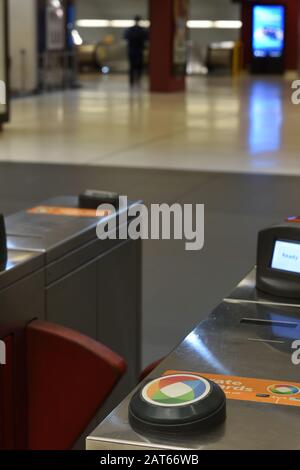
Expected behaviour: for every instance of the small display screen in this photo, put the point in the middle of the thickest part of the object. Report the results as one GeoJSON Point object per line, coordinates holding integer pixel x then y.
{"type": "Point", "coordinates": [286, 256]}
{"type": "Point", "coordinates": [268, 30]}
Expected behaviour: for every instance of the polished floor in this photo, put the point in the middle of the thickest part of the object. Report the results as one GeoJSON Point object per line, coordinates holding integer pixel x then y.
{"type": "Point", "coordinates": [233, 146]}
{"type": "Point", "coordinates": [179, 288]}
{"type": "Point", "coordinates": [244, 125]}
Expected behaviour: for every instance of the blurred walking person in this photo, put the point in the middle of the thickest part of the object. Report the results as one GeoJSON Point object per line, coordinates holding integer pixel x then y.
{"type": "Point", "coordinates": [136, 38]}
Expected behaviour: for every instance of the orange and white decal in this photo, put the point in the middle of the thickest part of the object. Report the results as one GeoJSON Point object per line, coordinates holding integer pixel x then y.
{"type": "Point", "coordinates": [67, 211]}
{"type": "Point", "coordinates": [275, 392]}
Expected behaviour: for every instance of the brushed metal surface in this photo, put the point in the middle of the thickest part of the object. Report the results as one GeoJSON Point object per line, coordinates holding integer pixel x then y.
{"type": "Point", "coordinates": [225, 343]}
{"type": "Point", "coordinates": [20, 264]}
{"type": "Point", "coordinates": [54, 235]}
{"type": "Point", "coordinates": [246, 290]}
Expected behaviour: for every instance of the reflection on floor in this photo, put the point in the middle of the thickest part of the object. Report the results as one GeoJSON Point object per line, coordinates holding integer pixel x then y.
{"type": "Point", "coordinates": [180, 288]}
{"type": "Point", "coordinates": [247, 125]}
{"type": "Point", "coordinates": [112, 139]}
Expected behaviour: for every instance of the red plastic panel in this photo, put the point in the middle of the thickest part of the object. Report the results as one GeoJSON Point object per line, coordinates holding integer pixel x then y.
{"type": "Point", "coordinates": [7, 415]}
{"type": "Point", "coordinates": [69, 377]}
{"type": "Point", "coordinates": [149, 369]}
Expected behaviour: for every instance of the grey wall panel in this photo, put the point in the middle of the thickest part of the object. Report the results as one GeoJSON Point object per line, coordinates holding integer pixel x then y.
{"type": "Point", "coordinates": [23, 301]}
{"type": "Point", "coordinates": [71, 301]}
{"type": "Point", "coordinates": [119, 316]}
{"type": "Point", "coordinates": [102, 300]}
{"type": "Point", "coordinates": [119, 309]}
{"type": "Point", "coordinates": [76, 258]}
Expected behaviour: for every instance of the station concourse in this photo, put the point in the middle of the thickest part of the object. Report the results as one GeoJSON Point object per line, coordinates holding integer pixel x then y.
{"type": "Point", "coordinates": [215, 121]}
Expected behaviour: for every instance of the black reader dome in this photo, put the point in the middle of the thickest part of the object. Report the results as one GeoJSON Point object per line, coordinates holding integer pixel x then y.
{"type": "Point", "coordinates": [179, 402]}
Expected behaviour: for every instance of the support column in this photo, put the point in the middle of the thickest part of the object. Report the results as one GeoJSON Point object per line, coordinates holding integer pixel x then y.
{"type": "Point", "coordinates": [168, 45]}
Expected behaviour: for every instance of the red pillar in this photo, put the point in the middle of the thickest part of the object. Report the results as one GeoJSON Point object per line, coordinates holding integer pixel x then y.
{"type": "Point", "coordinates": [292, 31]}
{"type": "Point", "coordinates": [163, 76]}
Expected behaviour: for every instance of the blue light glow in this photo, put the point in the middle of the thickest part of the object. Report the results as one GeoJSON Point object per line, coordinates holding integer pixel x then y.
{"type": "Point", "coordinates": [268, 30]}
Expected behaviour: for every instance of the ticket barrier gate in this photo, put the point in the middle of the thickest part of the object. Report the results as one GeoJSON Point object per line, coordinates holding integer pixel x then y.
{"type": "Point", "coordinates": [248, 348]}
{"type": "Point", "coordinates": [58, 270]}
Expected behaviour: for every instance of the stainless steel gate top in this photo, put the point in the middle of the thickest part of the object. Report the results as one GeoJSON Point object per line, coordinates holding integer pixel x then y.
{"type": "Point", "coordinates": [20, 264]}
{"type": "Point", "coordinates": [239, 341]}
{"type": "Point", "coordinates": [55, 233]}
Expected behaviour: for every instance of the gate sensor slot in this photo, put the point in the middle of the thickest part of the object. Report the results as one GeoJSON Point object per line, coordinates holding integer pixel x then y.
{"type": "Point", "coordinates": [282, 324]}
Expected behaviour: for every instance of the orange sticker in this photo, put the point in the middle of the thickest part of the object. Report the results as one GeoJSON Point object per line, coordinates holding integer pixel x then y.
{"type": "Point", "coordinates": [67, 211]}
{"type": "Point", "coordinates": [295, 220]}
{"type": "Point", "coordinates": [275, 392]}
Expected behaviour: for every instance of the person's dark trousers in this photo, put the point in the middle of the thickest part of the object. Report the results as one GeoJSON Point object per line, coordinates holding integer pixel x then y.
{"type": "Point", "coordinates": [136, 70]}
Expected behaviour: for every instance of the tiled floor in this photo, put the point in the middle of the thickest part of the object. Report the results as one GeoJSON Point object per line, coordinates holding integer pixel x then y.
{"type": "Point", "coordinates": [179, 288]}
{"type": "Point", "coordinates": [247, 125]}
{"type": "Point", "coordinates": [110, 139]}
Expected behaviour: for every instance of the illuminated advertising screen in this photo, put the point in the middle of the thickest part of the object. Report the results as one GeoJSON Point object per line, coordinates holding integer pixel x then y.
{"type": "Point", "coordinates": [268, 30]}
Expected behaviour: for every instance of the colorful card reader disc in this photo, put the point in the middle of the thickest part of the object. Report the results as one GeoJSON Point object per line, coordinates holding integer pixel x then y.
{"type": "Point", "coordinates": [180, 402]}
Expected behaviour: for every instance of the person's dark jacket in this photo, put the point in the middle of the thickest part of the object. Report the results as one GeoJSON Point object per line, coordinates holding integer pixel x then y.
{"type": "Point", "coordinates": [137, 38]}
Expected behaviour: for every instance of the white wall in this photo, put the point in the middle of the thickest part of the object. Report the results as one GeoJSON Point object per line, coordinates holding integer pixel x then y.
{"type": "Point", "coordinates": [23, 36]}
{"type": "Point", "coordinates": [214, 10]}
{"type": "Point", "coordinates": [108, 9]}
{"type": "Point", "coordinates": [126, 9]}
{"type": "Point", "coordinates": [112, 9]}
